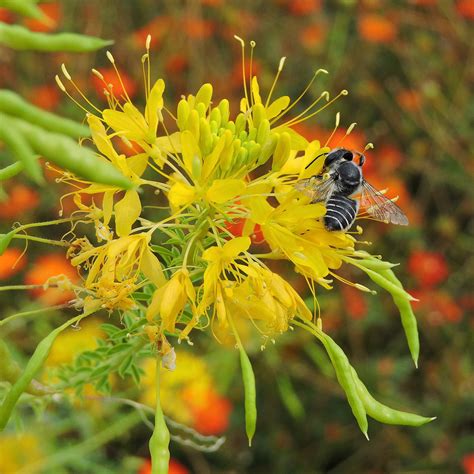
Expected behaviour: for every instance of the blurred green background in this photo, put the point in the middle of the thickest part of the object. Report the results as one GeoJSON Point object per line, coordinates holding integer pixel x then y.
{"type": "Point", "coordinates": [409, 69]}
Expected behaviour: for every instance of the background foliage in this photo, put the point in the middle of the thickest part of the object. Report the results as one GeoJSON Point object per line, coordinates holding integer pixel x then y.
{"type": "Point", "coordinates": [409, 69]}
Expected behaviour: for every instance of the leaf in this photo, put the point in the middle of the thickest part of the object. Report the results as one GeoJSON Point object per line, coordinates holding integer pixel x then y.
{"type": "Point", "coordinates": [5, 240]}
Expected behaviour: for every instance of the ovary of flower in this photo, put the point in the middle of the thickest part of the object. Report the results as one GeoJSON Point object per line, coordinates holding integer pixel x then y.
{"type": "Point", "coordinates": [169, 301]}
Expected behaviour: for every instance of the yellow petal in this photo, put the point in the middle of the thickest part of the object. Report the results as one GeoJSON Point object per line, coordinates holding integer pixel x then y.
{"type": "Point", "coordinates": [154, 307]}
{"type": "Point", "coordinates": [99, 135]}
{"type": "Point", "coordinates": [107, 205]}
{"type": "Point", "coordinates": [191, 152]}
{"type": "Point", "coordinates": [223, 190]}
{"type": "Point", "coordinates": [181, 194]}
{"type": "Point", "coordinates": [277, 106]}
{"type": "Point", "coordinates": [256, 91]}
{"type": "Point", "coordinates": [234, 247]}
{"type": "Point", "coordinates": [138, 163]}
{"type": "Point", "coordinates": [129, 123]}
{"type": "Point", "coordinates": [127, 211]}
{"type": "Point", "coordinates": [151, 268]}
{"type": "Point", "coordinates": [154, 105]}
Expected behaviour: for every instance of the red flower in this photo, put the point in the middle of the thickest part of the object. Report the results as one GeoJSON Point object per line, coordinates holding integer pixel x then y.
{"type": "Point", "coordinates": [118, 87]}
{"type": "Point", "coordinates": [468, 463]}
{"type": "Point", "coordinates": [21, 199]}
{"type": "Point", "coordinates": [197, 28]}
{"type": "Point", "coordinates": [465, 8]}
{"type": "Point", "coordinates": [439, 307]}
{"type": "Point", "coordinates": [11, 262]}
{"type": "Point", "coordinates": [212, 419]}
{"type": "Point", "coordinates": [312, 36]}
{"type": "Point", "coordinates": [175, 467]}
{"type": "Point", "coordinates": [354, 302]}
{"type": "Point", "coordinates": [303, 7]}
{"type": "Point", "coordinates": [236, 227]}
{"type": "Point", "coordinates": [6, 16]}
{"type": "Point", "coordinates": [429, 268]}
{"type": "Point", "coordinates": [158, 28]}
{"type": "Point", "coordinates": [377, 28]}
{"type": "Point", "coordinates": [410, 100]}
{"type": "Point", "coordinates": [46, 96]}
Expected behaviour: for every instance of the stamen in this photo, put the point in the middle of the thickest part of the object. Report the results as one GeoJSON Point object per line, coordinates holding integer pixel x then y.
{"type": "Point", "coordinates": [369, 146]}
{"type": "Point", "coordinates": [280, 68]}
{"type": "Point", "coordinates": [252, 46]}
{"type": "Point", "coordinates": [283, 112]}
{"type": "Point", "coordinates": [65, 72]}
{"type": "Point", "coordinates": [242, 43]}
{"type": "Point", "coordinates": [148, 42]}
{"type": "Point", "coordinates": [63, 88]}
{"type": "Point", "coordinates": [301, 118]}
{"type": "Point", "coordinates": [336, 126]}
{"type": "Point", "coordinates": [112, 60]}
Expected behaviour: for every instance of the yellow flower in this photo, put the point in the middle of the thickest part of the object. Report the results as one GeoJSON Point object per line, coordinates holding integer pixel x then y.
{"type": "Point", "coordinates": [18, 452]}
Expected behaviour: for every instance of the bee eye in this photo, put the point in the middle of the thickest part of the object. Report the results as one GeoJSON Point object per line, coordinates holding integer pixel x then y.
{"type": "Point", "coordinates": [348, 156]}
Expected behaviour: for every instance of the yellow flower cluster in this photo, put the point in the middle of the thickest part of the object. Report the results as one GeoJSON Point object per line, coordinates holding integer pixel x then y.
{"type": "Point", "coordinates": [213, 170]}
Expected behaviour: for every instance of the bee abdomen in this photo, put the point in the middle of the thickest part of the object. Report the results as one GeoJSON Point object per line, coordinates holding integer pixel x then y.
{"type": "Point", "coordinates": [341, 212]}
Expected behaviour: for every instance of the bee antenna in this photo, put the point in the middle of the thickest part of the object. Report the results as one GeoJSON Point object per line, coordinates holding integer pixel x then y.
{"type": "Point", "coordinates": [314, 159]}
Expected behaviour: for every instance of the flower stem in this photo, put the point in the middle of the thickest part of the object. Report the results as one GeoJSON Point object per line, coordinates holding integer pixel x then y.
{"type": "Point", "coordinates": [160, 439]}
{"type": "Point", "coordinates": [40, 239]}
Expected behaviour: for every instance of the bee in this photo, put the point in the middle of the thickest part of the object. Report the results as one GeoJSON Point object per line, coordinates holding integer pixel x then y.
{"type": "Point", "coordinates": [342, 179]}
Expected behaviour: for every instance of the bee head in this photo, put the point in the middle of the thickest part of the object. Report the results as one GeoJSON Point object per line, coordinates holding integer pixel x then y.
{"type": "Point", "coordinates": [338, 154]}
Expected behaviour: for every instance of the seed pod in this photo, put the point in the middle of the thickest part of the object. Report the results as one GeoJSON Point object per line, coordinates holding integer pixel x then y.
{"type": "Point", "coordinates": [248, 378]}
{"type": "Point", "coordinates": [11, 170]}
{"type": "Point", "coordinates": [14, 104]}
{"type": "Point", "coordinates": [26, 8]}
{"type": "Point", "coordinates": [20, 38]}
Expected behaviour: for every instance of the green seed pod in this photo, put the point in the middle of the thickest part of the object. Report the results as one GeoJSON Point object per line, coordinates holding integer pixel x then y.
{"type": "Point", "coordinates": [344, 376]}
{"type": "Point", "coordinates": [20, 149]}
{"type": "Point", "coordinates": [248, 378]}
{"type": "Point", "coordinates": [14, 104]}
{"type": "Point", "coordinates": [11, 170]}
{"type": "Point", "coordinates": [66, 153]}
{"type": "Point", "coordinates": [20, 38]}
{"type": "Point", "coordinates": [26, 8]}
{"type": "Point", "coordinates": [5, 240]}
{"type": "Point", "coordinates": [183, 114]}
{"type": "Point", "coordinates": [383, 413]}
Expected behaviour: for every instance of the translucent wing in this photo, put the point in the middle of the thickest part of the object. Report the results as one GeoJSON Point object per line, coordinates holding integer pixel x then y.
{"type": "Point", "coordinates": [318, 188]}
{"type": "Point", "coordinates": [379, 206]}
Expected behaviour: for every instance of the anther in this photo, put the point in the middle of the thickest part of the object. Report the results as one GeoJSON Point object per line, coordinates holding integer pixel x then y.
{"type": "Point", "coordinates": [65, 72]}
{"type": "Point", "coordinates": [98, 74]}
{"type": "Point", "coordinates": [110, 57]}
{"type": "Point", "coordinates": [148, 42]}
{"type": "Point", "coordinates": [282, 63]}
{"type": "Point", "coordinates": [350, 128]}
{"type": "Point", "coordinates": [59, 83]}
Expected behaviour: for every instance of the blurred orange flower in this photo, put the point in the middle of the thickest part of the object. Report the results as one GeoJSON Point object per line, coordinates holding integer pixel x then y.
{"type": "Point", "coordinates": [210, 411]}
{"type": "Point", "coordinates": [312, 36]}
{"type": "Point", "coordinates": [46, 96]}
{"type": "Point", "coordinates": [197, 28]}
{"type": "Point", "coordinates": [409, 100]}
{"type": "Point", "coordinates": [11, 262]}
{"type": "Point", "coordinates": [377, 28]}
{"type": "Point", "coordinates": [158, 28]}
{"type": "Point", "coordinates": [21, 199]}
{"type": "Point", "coordinates": [429, 268]}
{"type": "Point", "coordinates": [176, 63]}
{"type": "Point", "coordinates": [53, 13]}
{"type": "Point", "coordinates": [6, 16]}
{"type": "Point", "coordinates": [303, 7]}
{"type": "Point", "coordinates": [468, 463]}
{"type": "Point", "coordinates": [48, 266]}
{"type": "Point", "coordinates": [438, 306]}
{"type": "Point", "coordinates": [212, 3]}
{"type": "Point", "coordinates": [354, 302]}
{"type": "Point", "coordinates": [465, 8]}
{"type": "Point", "coordinates": [127, 84]}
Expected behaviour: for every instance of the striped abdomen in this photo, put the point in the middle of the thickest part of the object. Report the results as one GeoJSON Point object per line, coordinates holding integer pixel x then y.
{"type": "Point", "coordinates": [341, 212]}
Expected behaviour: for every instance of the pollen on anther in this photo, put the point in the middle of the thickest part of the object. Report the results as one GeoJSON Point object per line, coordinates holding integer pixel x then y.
{"type": "Point", "coordinates": [344, 92]}
{"type": "Point", "coordinates": [98, 74]}
{"type": "Point", "coordinates": [110, 57]}
{"type": "Point", "coordinates": [65, 72]}
{"type": "Point", "coordinates": [350, 128]}
{"type": "Point", "coordinates": [148, 41]}
{"type": "Point", "coordinates": [282, 63]}
{"type": "Point", "coordinates": [59, 83]}
{"type": "Point", "coordinates": [324, 71]}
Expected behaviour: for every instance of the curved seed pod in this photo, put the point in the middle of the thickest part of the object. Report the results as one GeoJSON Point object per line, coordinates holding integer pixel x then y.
{"type": "Point", "coordinates": [20, 38]}
{"type": "Point", "coordinates": [14, 104]}
{"type": "Point", "coordinates": [26, 8]}
{"type": "Point", "coordinates": [380, 412]}
{"type": "Point", "coordinates": [11, 170]}
{"type": "Point", "coordinates": [66, 153]}
{"type": "Point", "coordinates": [248, 378]}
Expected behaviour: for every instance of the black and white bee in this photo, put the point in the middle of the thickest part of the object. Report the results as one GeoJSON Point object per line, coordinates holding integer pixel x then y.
{"type": "Point", "coordinates": [342, 179]}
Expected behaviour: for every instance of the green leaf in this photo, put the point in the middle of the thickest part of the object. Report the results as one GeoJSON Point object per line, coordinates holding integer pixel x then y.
{"type": "Point", "coordinates": [5, 240]}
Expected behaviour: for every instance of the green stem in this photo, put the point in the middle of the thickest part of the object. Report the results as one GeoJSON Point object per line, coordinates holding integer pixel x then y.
{"type": "Point", "coordinates": [160, 439]}
{"type": "Point", "coordinates": [60, 243]}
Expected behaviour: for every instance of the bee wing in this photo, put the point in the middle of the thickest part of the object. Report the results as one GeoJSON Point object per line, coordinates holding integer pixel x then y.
{"type": "Point", "coordinates": [380, 207]}
{"type": "Point", "coordinates": [319, 189]}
